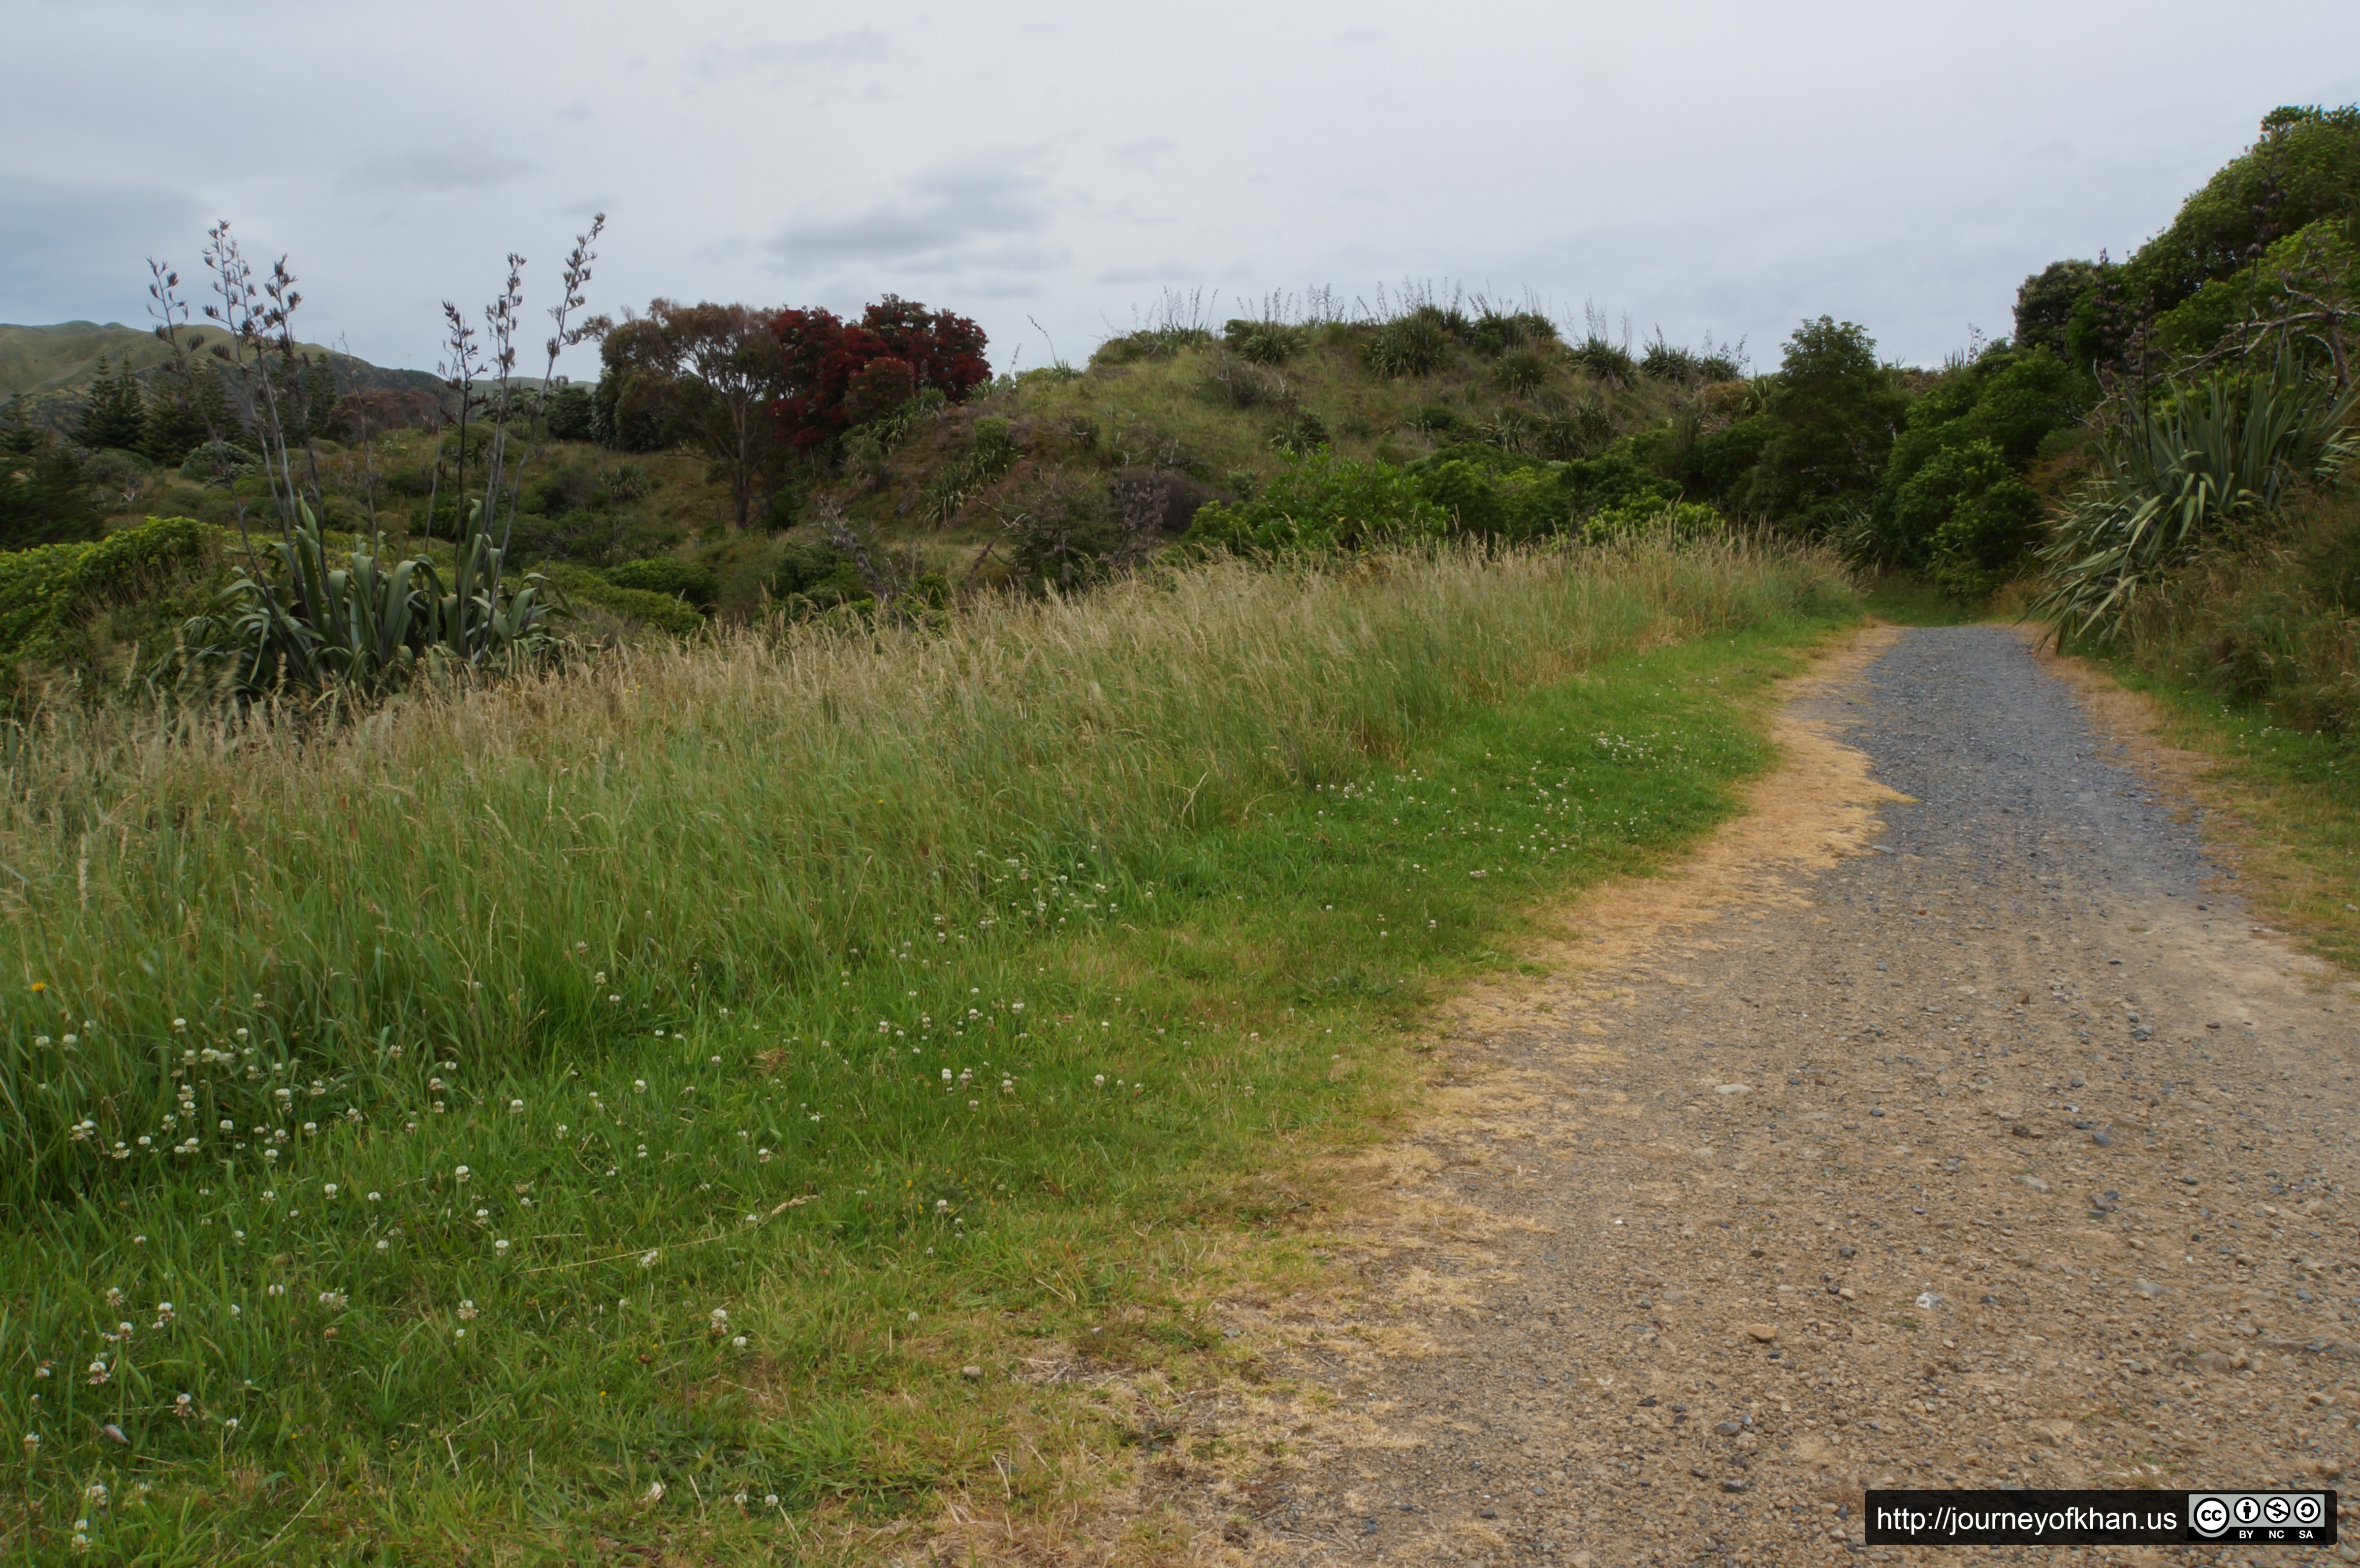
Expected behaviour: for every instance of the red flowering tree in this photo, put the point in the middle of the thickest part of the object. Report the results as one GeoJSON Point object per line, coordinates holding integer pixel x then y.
{"type": "Point", "coordinates": [835, 373]}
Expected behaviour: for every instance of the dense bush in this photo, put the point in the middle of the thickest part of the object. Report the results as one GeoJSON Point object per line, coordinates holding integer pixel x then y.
{"type": "Point", "coordinates": [669, 575]}
{"type": "Point", "coordinates": [1958, 462]}
{"type": "Point", "coordinates": [1323, 502]}
{"type": "Point", "coordinates": [572, 413]}
{"type": "Point", "coordinates": [813, 573]}
{"type": "Point", "coordinates": [581, 587]}
{"type": "Point", "coordinates": [1834, 412]}
{"type": "Point", "coordinates": [47, 592]}
{"type": "Point", "coordinates": [2205, 467]}
{"type": "Point", "coordinates": [2273, 620]}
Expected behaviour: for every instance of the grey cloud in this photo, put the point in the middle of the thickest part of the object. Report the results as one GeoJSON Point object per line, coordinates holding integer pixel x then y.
{"type": "Point", "coordinates": [78, 252]}
{"type": "Point", "coordinates": [721, 61]}
{"type": "Point", "coordinates": [453, 167]}
{"type": "Point", "coordinates": [1144, 153]}
{"type": "Point", "coordinates": [941, 226]}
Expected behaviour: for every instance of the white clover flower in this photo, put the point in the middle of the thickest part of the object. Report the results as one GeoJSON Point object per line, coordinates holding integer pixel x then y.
{"type": "Point", "coordinates": [383, 1244]}
{"type": "Point", "coordinates": [183, 1023]}
{"type": "Point", "coordinates": [638, 1085]}
{"type": "Point", "coordinates": [514, 1105]}
{"type": "Point", "coordinates": [462, 1173]}
{"type": "Point", "coordinates": [278, 1290]}
{"type": "Point", "coordinates": [329, 1191]}
{"type": "Point", "coordinates": [467, 1310]}
{"type": "Point", "coordinates": [376, 1197]}
{"type": "Point", "coordinates": [720, 1316]}
{"type": "Point", "coordinates": [332, 1299]}
{"type": "Point", "coordinates": [648, 1259]}
{"type": "Point", "coordinates": [500, 1246]}
{"type": "Point", "coordinates": [738, 1343]}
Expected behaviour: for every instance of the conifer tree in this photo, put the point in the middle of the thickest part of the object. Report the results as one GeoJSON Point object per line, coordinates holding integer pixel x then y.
{"type": "Point", "coordinates": [113, 413]}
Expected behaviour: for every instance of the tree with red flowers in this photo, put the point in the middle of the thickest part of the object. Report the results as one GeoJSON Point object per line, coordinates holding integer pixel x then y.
{"type": "Point", "coordinates": [835, 373]}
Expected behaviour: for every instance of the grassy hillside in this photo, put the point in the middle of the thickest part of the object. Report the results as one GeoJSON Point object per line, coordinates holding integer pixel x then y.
{"type": "Point", "coordinates": [63, 358]}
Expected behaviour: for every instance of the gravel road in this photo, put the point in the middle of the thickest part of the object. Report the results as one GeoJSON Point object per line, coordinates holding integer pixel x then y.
{"type": "Point", "coordinates": [2001, 1148]}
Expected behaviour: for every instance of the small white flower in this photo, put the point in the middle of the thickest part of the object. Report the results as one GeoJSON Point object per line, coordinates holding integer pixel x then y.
{"type": "Point", "coordinates": [462, 1173]}
{"type": "Point", "coordinates": [467, 1310]}
{"type": "Point", "coordinates": [638, 1085]}
{"type": "Point", "coordinates": [329, 1189]}
{"type": "Point", "coordinates": [514, 1105]}
{"type": "Point", "coordinates": [376, 1197]}
{"type": "Point", "coordinates": [738, 1343]}
{"type": "Point", "coordinates": [647, 1260]}
{"type": "Point", "coordinates": [278, 1290]}
{"type": "Point", "coordinates": [500, 1246]}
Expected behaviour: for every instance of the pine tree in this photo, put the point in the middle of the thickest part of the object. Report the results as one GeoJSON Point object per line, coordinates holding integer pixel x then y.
{"type": "Point", "coordinates": [43, 499]}
{"type": "Point", "coordinates": [189, 410]}
{"type": "Point", "coordinates": [113, 414]}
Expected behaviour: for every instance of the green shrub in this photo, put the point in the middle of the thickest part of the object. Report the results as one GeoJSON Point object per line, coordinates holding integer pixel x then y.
{"type": "Point", "coordinates": [1303, 432]}
{"type": "Point", "coordinates": [669, 575]}
{"type": "Point", "coordinates": [1416, 344]}
{"type": "Point", "coordinates": [567, 488]}
{"type": "Point", "coordinates": [1520, 371]}
{"type": "Point", "coordinates": [2195, 470]}
{"type": "Point", "coordinates": [1496, 497]}
{"type": "Point", "coordinates": [1263, 343]}
{"type": "Point", "coordinates": [1608, 361]}
{"type": "Point", "coordinates": [1432, 418]}
{"type": "Point", "coordinates": [1492, 332]}
{"type": "Point", "coordinates": [664, 612]}
{"type": "Point", "coordinates": [1616, 480]}
{"type": "Point", "coordinates": [1322, 502]}
{"type": "Point", "coordinates": [47, 592]}
{"type": "Point", "coordinates": [813, 575]}
{"type": "Point", "coordinates": [221, 463]}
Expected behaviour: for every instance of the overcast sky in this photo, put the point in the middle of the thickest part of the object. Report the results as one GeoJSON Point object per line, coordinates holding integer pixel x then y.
{"type": "Point", "coordinates": [1703, 166]}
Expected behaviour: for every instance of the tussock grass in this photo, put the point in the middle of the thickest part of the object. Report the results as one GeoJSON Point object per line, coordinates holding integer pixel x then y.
{"type": "Point", "coordinates": [893, 1000]}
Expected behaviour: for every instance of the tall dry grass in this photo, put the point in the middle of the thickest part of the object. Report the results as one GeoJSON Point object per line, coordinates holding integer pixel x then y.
{"type": "Point", "coordinates": [488, 867]}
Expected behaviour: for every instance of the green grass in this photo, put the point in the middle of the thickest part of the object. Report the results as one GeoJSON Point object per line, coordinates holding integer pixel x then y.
{"type": "Point", "coordinates": [656, 945]}
{"type": "Point", "coordinates": [2294, 800]}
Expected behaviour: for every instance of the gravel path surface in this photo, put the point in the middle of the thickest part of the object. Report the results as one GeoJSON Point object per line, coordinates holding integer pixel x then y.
{"type": "Point", "coordinates": [2007, 1153]}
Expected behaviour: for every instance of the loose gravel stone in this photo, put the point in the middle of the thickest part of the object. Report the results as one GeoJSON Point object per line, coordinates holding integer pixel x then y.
{"type": "Point", "coordinates": [1996, 1207]}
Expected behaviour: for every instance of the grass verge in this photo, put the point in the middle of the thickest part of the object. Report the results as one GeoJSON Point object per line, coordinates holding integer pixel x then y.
{"type": "Point", "coordinates": [2289, 805]}
{"type": "Point", "coordinates": [556, 1119]}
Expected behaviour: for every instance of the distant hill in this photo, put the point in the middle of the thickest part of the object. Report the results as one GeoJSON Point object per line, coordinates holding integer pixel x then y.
{"type": "Point", "coordinates": [52, 365]}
